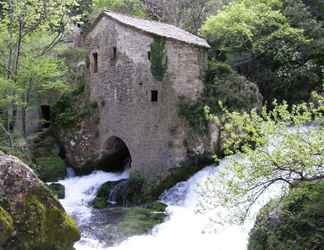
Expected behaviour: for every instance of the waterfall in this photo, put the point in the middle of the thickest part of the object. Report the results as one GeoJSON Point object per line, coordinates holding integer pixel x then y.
{"type": "Point", "coordinates": [80, 191]}
{"type": "Point", "coordinates": [70, 172]}
{"type": "Point", "coordinates": [119, 190]}
{"type": "Point", "coordinates": [186, 227]}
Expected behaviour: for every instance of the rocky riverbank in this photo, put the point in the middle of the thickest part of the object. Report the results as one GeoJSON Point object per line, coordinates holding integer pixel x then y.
{"type": "Point", "coordinates": [30, 217]}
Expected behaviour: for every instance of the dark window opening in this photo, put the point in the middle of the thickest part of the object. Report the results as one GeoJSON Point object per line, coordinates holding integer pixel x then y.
{"type": "Point", "coordinates": [95, 62]}
{"type": "Point", "coordinates": [140, 84]}
{"type": "Point", "coordinates": [149, 55]}
{"type": "Point", "coordinates": [114, 53]}
{"type": "Point", "coordinates": [46, 116]}
{"type": "Point", "coordinates": [154, 96]}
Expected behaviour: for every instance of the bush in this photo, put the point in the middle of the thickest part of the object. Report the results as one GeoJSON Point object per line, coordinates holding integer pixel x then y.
{"type": "Point", "coordinates": [50, 168]}
{"type": "Point", "coordinates": [295, 223]}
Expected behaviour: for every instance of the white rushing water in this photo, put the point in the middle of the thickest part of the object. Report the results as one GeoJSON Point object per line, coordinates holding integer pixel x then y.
{"type": "Point", "coordinates": [185, 227]}
{"type": "Point", "coordinates": [79, 191]}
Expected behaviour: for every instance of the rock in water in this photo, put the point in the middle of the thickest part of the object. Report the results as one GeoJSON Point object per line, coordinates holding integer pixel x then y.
{"type": "Point", "coordinates": [58, 190]}
{"type": "Point", "coordinates": [30, 217]}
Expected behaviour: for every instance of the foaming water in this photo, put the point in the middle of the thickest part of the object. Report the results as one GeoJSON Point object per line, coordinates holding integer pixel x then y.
{"type": "Point", "coordinates": [80, 191]}
{"type": "Point", "coordinates": [187, 227]}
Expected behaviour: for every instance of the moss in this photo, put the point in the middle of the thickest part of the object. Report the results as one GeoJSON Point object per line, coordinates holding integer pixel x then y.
{"type": "Point", "coordinates": [50, 168]}
{"type": "Point", "coordinates": [102, 195]}
{"type": "Point", "coordinates": [41, 223]}
{"type": "Point", "coordinates": [73, 107]}
{"type": "Point", "coordinates": [298, 222]}
{"type": "Point", "coordinates": [58, 190]}
{"type": "Point", "coordinates": [6, 226]}
{"type": "Point", "coordinates": [139, 220]}
{"type": "Point", "coordinates": [159, 59]}
{"type": "Point", "coordinates": [195, 115]}
{"type": "Point", "coordinates": [176, 175]}
{"type": "Point", "coordinates": [134, 193]}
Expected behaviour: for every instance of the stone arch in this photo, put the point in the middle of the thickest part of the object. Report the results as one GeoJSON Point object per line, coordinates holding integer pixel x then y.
{"type": "Point", "coordinates": [116, 156]}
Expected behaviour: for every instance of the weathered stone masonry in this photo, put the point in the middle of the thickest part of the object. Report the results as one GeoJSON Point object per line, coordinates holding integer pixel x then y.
{"type": "Point", "coordinates": [135, 107]}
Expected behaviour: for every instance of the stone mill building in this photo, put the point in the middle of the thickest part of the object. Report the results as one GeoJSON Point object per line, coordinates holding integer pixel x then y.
{"type": "Point", "coordinates": [139, 72]}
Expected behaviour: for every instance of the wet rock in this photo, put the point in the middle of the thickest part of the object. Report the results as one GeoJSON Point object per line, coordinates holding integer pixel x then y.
{"type": "Point", "coordinates": [120, 193]}
{"type": "Point", "coordinates": [141, 220]}
{"type": "Point", "coordinates": [103, 200]}
{"type": "Point", "coordinates": [37, 218]}
{"type": "Point", "coordinates": [58, 190]}
{"type": "Point", "coordinates": [6, 226]}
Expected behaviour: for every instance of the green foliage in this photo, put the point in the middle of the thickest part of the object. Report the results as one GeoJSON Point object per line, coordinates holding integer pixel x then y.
{"type": "Point", "coordinates": [159, 58]}
{"type": "Point", "coordinates": [276, 44]}
{"type": "Point", "coordinates": [300, 222]}
{"type": "Point", "coordinates": [72, 107]}
{"type": "Point", "coordinates": [276, 146]}
{"type": "Point", "coordinates": [6, 226]}
{"type": "Point", "coordinates": [195, 115]}
{"type": "Point", "coordinates": [29, 30]}
{"type": "Point", "coordinates": [316, 7]}
{"type": "Point", "coordinates": [50, 168]}
{"type": "Point", "coordinates": [223, 87]}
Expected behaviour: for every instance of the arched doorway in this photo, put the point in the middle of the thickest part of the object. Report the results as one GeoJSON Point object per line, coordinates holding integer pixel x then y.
{"type": "Point", "coordinates": [115, 156]}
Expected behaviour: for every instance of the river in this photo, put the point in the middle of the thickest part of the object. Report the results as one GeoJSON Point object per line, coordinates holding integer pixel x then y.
{"type": "Point", "coordinates": [186, 227]}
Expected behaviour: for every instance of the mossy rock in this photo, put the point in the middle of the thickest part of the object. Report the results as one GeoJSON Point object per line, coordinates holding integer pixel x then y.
{"type": "Point", "coordinates": [50, 168]}
{"type": "Point", "coordinates": [294, 223]}
{"type": "Point", "coordinates": [141, 220]}
{"type": "Point", "coordinates": [6, 226]}
{"type": "Point", "coordinates": [187, 170]}
{"type": "Point", "coordinates": [101, 200]}
{"type": "Point", "coordinates": [58, 190]}
{"type": "Point", "coordinates": [41, 223]}
{"type": "Point", "coordinates": [28, 207]}
{"type": "Point", "coordinates": [133, 196]}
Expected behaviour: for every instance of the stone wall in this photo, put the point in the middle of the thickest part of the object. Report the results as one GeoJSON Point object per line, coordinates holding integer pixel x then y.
{"type": "Point", "coordinates": [157, 138]}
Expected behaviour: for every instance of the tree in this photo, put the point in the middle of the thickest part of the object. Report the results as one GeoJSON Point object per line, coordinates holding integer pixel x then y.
{"type": "Point", "coordinates": [29, 30]}
{"type": "Point", "coordinates": [187, 14]}
{"type": "Point", "coordinates": [276, 44]}
{"type": "Point", "coordinates": [283, 146]}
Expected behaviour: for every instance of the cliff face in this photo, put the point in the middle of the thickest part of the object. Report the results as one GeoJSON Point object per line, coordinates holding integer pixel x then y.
{"type": "Point", "coordinates": [30, 217]}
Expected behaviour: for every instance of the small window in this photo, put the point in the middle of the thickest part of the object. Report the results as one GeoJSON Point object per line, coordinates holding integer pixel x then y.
{"type": "Point", "coordinates": [95, 62]}
{"type": "Point", "coordinates": [114, 53]}
{"type": "Point", "coordinates": [154, 96]}
{"type": "Point", "coordinates": [149, 55]}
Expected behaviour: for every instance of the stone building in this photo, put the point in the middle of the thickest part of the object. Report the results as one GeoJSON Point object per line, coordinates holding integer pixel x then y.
{"type": "Point", "coordinates": [139, 71]}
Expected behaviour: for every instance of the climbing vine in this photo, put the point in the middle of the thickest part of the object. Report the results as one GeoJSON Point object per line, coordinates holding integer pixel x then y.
{"type": "Point", "coordinates": [159, 58]}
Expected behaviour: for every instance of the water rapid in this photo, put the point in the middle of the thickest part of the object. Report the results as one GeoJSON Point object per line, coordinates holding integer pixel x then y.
{"type": "Point", "coordinates": [187, 226]}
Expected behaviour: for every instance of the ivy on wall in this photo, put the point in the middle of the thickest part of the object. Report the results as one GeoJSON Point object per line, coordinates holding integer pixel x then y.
{"type": "Point", "coordinates": [159, 58]}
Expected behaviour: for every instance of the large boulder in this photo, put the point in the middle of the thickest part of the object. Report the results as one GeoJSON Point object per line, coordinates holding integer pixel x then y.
{"type": "Point", "coordinates": [30, 217]}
